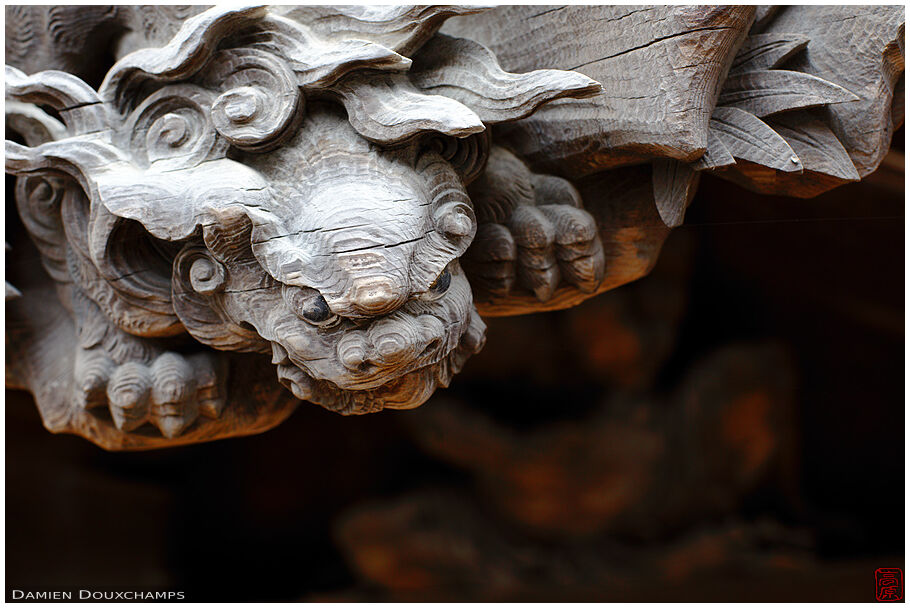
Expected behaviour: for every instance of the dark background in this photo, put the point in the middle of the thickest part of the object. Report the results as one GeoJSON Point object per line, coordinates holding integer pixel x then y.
{"type": "Point", "coordinates": [258, 518]}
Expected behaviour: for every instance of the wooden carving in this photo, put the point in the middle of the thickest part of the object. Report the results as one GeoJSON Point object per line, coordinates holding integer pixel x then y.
{"type": "Point", "coordinates": [347, 190]}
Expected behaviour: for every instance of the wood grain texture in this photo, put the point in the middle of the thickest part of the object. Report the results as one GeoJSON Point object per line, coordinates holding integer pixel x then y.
{"type": "Point", "coordinates": [748, 138]}
{"type": "Point", "coordinates": [260, 184]}
{"type": "Point", "coordinates": [660, 67]}
{"type": "Point", "coordinates": [825, 163]}
{"type": "Point", "coordinates": [786, 68]}
{"type": "Point", "coordinates": [767, 51]}
{"type": "Point", "coordinates": [630, 230]}
{"type": "Point", "coordinates": [859, 49]}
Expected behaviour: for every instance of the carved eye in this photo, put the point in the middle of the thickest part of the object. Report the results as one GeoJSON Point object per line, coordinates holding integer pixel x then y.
{"type": "Point", "coordinates": [309, 305]}
{"type": "Point", "coordinates": [441, 284]}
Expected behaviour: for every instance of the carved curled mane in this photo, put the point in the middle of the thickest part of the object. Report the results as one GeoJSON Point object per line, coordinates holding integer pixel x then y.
{"type": "Point", "coordinates": [347, 67]}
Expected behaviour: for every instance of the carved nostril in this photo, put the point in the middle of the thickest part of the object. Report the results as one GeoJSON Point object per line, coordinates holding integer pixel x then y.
{"type": "Point", "coordinates": [352, 351]}
{"type": "Point", "coordinates": [432, 347]}
{"type": "Point", "coordinates": [376, 295]}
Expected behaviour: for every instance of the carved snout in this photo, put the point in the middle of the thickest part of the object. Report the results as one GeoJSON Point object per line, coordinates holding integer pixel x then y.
{"type": "Point", "coordinates": [377, 295]}
{"type": "Point", "coordinates": [391, 343]}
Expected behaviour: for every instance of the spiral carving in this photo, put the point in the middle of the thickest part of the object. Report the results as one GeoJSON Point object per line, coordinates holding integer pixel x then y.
{"type": "Point", "coordinates": [172, 128]}
{"type": "Point", "coordinates": [207, 276]}
{"type": "Point", "coordinates": [196, 284]}
{"type": "Point", "coordinates": [261, 98]}
{"type": "Point", "coordinates": [38, 199]}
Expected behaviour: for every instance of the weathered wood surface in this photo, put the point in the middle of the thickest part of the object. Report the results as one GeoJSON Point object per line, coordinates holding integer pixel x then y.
{"type": "Point", "coordinates": [213, 188]}
{"type": "Point", "coordinates": [826, 80]}
{"type": "Point", "coordinates": [307, 182]}
{"type": "Point", "coordinates": [661, 68]}
{"type": "Point", "coordinates": [769, 124]}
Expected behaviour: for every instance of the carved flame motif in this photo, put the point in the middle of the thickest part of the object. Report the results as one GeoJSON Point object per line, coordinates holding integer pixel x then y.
{"type": "Point", "coordinates": [303, 185]}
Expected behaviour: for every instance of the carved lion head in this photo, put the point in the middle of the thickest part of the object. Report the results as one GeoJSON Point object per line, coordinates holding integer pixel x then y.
{"type": "Point", "coordinates": [304, 182]}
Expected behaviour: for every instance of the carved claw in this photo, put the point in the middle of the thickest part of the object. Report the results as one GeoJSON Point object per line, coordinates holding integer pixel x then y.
{"type": "Point", "coordinates": [170, 392]}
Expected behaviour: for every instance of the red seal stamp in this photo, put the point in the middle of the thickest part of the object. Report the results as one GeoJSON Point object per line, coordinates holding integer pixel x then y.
{"type": "Point", "coordinates": [889, 584]}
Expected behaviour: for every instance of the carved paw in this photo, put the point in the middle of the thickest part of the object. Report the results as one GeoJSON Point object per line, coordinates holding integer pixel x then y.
{"type": "Point", "coordinates": [556, 243]}
{"type": "Point", "coordinates": [548, 240]}
{"type": "Point", "coordinates": [170, 392]}
{"type": "Point", "coordinates": [533, 233]}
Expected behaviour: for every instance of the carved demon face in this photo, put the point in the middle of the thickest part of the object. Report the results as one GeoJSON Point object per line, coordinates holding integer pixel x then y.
{"type": "Point", "coordinates": [349, 269]}
{"type": "Point", "coordinates": [311, 187]}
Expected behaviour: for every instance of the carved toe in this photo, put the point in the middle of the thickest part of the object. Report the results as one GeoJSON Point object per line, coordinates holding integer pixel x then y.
{"type": "Point", "coordinates": [578, 248]}
{"type": "Point", "coordinates": [174, 403]}
{"type": "Point", "coordinates": [128, 396]}
{"type": "Point", "coordinates": [93, 369]}
{"type": "Point", "coordinates": [210, 371]}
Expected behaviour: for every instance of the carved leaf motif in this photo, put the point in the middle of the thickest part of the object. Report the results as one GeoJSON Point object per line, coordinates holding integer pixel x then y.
{"type": "Point", "coordinates": [715, 156]}
{"type": "Point", "coordinates": [766, 51]}
{"type": "Point", "coordinates": [468, 72]}
{"type": "Point", "coordinates": [748, 138]}
{"type": "Point", "coordinates": [766, 92]}
{"type": "Point", "coordinates": [858, 48]}
{"type": "Point", "coordinates": [818, 148]}
{"type": "Point", "coordinates": [388, 109]}
{"type": "Point", "coordinates": [674, 186]}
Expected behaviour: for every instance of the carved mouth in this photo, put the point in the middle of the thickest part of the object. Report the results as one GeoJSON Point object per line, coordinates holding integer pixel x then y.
{"type": "Point", "coordinates": [406, 391]}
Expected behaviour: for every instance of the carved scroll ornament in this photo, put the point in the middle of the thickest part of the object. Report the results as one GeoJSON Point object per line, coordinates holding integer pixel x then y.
{"type": "Point", "coordinates": [325, 187]}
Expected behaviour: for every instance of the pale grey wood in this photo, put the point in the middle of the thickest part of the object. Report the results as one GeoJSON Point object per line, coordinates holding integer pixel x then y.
{"type": "Point", "coordinates": [857, 48]}
{"type": "Point", "coordinates": [748, 138]}
{"type": "Point", "coordinates": [767, 92]}
{"type": "Point", "coordinates": [763, 15]}
{"type": "Point", "coordinates": [214, 187]}
{"type": "Point", "coordinates": [716, 156]}
{"type": "Point", "coordinates": [542, 237]}
{"type": "Point", "coordinates": [466, 71]}
{"type": "Point", "coordinates": [858, 56]}
{"type": "Point", "coordinates": [816, 145]}
{"type": "Point", "coordinates": [825, 162]}
{"type": "Point", "coordinates": [307, 183]}
{"type": "Point", "coordinates": [660, 67]}
{"type": "Point", "coordinates": [674, 186]}
{"type": "Point", "coordinates": [767, 51]}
